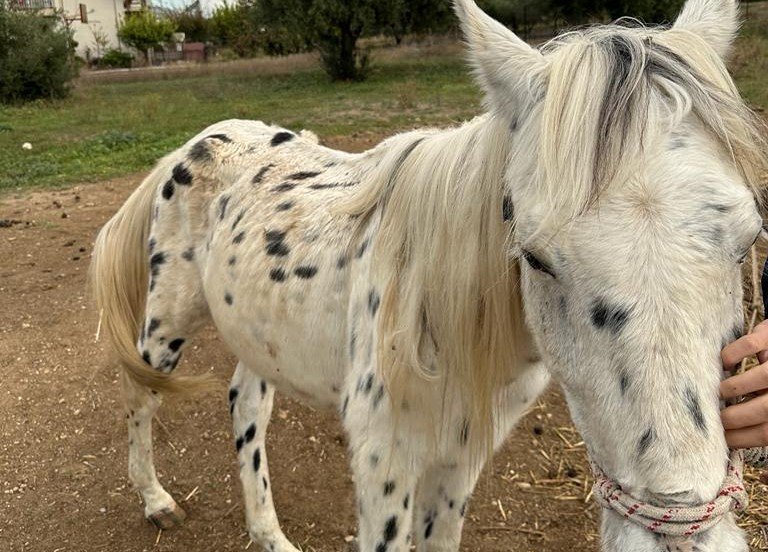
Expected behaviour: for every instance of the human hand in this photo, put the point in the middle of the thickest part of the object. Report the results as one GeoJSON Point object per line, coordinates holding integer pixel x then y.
{"type": "Point", "coordinates": [746, 423]}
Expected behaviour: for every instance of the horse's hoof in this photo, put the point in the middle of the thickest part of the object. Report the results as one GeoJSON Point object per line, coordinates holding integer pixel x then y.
{"type": "Point", "coordinates": [168, 518]}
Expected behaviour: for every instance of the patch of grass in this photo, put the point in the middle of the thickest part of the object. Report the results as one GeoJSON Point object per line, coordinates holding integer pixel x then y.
{"type": "Point", "coordinates": [112, 127]}
{"type": "Point", "coordinates": [109, 129]}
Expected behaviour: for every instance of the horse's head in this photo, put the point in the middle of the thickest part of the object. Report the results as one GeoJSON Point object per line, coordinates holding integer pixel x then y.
{"type": "Point", "coordinates": [633, 182]}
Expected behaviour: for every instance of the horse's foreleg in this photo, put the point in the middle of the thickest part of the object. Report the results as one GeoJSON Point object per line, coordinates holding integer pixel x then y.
{"type": "Point", "coordinates": [386, 463]}
{"type": "Point", "coordinates": [441, 505]}
{"type": "Point", "coordinates": [447, 485]}
{"type": "Point", "coordinates": [250, 399]}
{"type": "Point", "coordinates": [159, 506]}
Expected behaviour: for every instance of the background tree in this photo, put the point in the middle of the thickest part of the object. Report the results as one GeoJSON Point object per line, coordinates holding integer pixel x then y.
{"type": "Point", "coordinates": [190, 20]}
{"type": "Point", "coordinates": [145, 30]}
{"type": "Point", "coordinates": [647, 11]}
{"type": "Point", "coordinates": [100, 38]}
{"type": "Point", "coordinates": [332, 27]}
{"type": "Point", "coordinates": [520, 15]}
{"type": "Point", "coordinates": [36, 56]}
{"type": "Point", "coordinates": [231, 26]}
{"type": "Point", "coordinates": [398, 18]}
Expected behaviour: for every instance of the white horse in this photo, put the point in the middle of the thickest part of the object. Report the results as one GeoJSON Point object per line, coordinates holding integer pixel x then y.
{"type": "Point", "coordinates": [590, 225]}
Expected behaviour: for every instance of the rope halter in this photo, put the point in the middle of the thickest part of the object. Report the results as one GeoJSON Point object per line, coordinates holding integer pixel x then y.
{"type": "Point", "coordinates": [675, 521]}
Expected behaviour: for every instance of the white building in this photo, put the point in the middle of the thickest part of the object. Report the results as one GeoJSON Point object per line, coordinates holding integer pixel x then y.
{"type": "Point", "coordinates": [104, 18]}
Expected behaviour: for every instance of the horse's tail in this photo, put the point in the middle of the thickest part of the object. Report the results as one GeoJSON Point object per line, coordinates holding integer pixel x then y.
{"type": "Point", "coordinates": [119, 280]}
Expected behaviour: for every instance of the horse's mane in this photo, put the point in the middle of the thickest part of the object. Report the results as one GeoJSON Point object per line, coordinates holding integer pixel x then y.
{"type": "Point", "coordinates": [441, 249]}
{"type": "Point", "coordinates": [613, 89]}
{"type": "Point", "coordinates": [441, 255]}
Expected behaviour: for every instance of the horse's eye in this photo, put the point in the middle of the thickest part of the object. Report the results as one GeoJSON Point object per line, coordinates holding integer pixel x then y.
{"type": "Point", "coordinates": [536, 264]}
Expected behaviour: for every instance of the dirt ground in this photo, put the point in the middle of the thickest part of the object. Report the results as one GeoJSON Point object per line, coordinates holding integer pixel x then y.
{"type": "Point", "coordinates": [63, 467]}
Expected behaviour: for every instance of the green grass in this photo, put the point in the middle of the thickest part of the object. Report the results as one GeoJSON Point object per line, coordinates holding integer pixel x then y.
{"type": "Point", "coordinates": [111, 129]}
{"type": "Point", "coordinates": [750, 60]}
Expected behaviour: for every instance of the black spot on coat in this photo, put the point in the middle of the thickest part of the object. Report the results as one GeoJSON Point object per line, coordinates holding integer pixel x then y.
{"type": "Point", "coordinates": [232, 399]}
{"type": "Point", "coordinates": [373, 302]}
{"type": "Point", "coordinates": [250, 433]}
{"type": "Point", "coordinates": [332, 185]}
{"type": "Point", "coordinates": [464, 434]}
{"type": "Point", "coordinates": [389, 488]}
{"type": "Point", "coordinates": [228, 298]}
{"type": "Point", "coordinates": [623, 382]}
{"type": "Point", "coordinates": [182, 175]}
{"type": "Point", "coordinates": [277, 275]}
{"type": "Point", "coordinates": [199, 152]}
{"type": "Point", "coordinates": [275, 245]}
{"type": "Point", "coordinates": [239, 237]}
{"type": "Point", "coordinates": [694, 408]}
{"type": "Point", "coordinates": [508, 209]}
{"type": "Point", "coordinates": [305, 272]}
{"type": "Point", "coordinates": [378, 396]}
{"type": "Point", "coordinates": [611, 318]}
{"type": "Point", "coordinates": [284, 206]}
{"type": "Point", "coordinates": [344, 406]}
{"type": "Point", "coordinates": [303, 175]}
{"type": "Point", "coordinates": [168, 188]}
{"type": "Point", "coordinates": [220, 137]}
{"type": "Point", "coordinates": [176, 344]}
{"type": "Point", "coordinates": [281, 138]}
{"type": "Point", "coordinates": [368, 384]}
{"type": "Point", "coordinates": [238, 220]}
{"type": "Point", "coordinates": [284, 187]}
{"type": "Point", "coordinates": [155, 261]}
{"type": "Point", "coordinates": [429, 526]}
{"type": "Point", "coordinates": [259, 176]}
{"type": "Point", "coordinates": [256, 459]}
{"type": "Point", "coordinates": [363, 248]}
{"type": "Point", "coordinates": [223, 203]}
{"type": "Point", "coordinates": [154, 323]}
{"type": "Point", "coordinates": [645, 441]}
{"type": "Point", "coordinates": [390, 529]}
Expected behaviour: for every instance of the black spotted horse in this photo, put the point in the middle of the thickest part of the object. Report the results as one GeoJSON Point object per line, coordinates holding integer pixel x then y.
{"type": "Point", "coordinates": [590, 226]}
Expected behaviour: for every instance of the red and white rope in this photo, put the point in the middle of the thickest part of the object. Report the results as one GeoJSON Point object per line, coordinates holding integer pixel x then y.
{"type": "Point", "coordinates": [677, 521]}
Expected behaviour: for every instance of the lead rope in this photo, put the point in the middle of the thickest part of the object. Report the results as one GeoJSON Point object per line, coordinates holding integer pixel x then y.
{"type": "Point", "coordinates": [676, 521]}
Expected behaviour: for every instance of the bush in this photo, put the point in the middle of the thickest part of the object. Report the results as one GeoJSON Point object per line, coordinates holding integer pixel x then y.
{"type": "Point", "coordinates": [113, 59]}
{"type": "Point", "coordinates": [145, 30]}
{"type": "Point", "coordinates": [36, 57]}
{"type": "Point", "coordinates": [191, 21]}
{"type": "Point", "coordinates": [231, 26]}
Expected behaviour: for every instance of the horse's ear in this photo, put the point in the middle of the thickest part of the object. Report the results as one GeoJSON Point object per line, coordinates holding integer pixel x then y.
{"type": "Point", "coordinates": [510, 72]}
{"type": "Point", "coordinates": [716, 21]}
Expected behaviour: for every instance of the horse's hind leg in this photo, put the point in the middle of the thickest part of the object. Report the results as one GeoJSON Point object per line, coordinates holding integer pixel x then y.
{"type": "Point", "coordinates": [175, 309]}
{"type": "Point", "coordinates": [250, 400]}
{"type": "Point", "coordinates": [141, 405]}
